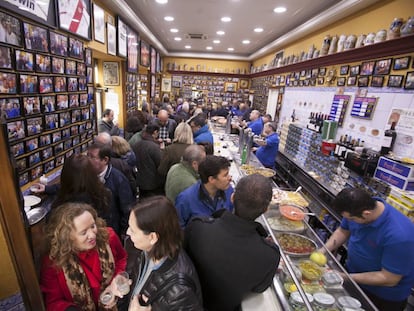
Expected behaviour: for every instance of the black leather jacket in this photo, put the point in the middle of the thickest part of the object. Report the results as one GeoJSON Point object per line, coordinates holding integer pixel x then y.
{"type": "Point", "coordinates": [173, 286]}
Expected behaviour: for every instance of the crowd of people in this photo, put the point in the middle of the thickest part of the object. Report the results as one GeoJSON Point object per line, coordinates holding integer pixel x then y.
{"type": "Point", "coordinates": [159, 204]}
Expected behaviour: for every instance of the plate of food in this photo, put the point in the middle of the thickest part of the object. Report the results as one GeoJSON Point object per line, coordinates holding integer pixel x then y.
{"type": "Point", "coordinates": [310, 270]}
{"type": "Point", "coordinates": [292, 212]}
{"type": "Point", "coordinates": [295, 244]}
{"type": "Point", "coordinates": [250, 169]}
{"type": "Point", "coordinates": [280, 223]}
{"type": "Point", "coordinates": [278, 195]}
{"type": "Point", "coordinates": [31, 200]}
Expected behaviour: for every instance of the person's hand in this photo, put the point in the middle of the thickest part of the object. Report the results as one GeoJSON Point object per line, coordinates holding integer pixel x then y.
{"type": "Point", "coordinates": [168, 141]}
{"type": "Point", "coordinates": [114, 288]}
{"type": "Point", "coordinates": [135, 305]}
{"type": "Point", "coordinates": [37, 188]}
{"type": "Point", "coordinates": [254, 149]}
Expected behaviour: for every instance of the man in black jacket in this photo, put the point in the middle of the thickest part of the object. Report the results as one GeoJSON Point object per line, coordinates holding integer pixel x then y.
{"type": "Point", "coordinates": [230, 251]}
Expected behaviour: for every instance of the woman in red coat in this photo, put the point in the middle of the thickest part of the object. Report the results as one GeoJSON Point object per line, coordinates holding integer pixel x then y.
{"type": "Point", "coordinates": [84, 257]}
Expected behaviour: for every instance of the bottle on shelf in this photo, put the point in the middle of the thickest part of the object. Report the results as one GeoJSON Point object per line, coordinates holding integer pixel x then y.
{"type": "Point", "coordinates": [389, 139]}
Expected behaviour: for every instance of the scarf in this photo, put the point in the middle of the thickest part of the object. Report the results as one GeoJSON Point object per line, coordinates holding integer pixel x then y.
{"type": "Point", "coordinates": [78, 284]}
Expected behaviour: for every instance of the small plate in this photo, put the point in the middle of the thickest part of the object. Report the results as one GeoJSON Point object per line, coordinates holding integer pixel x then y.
{"type": "Point", "coordinates": [35, 215]}
{"type": "Point", "coordinates": [31, 200]}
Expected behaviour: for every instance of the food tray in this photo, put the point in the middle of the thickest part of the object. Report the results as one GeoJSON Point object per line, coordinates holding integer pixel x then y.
{"type": "Point", "coordinates": [294, 244]}
{"type": "Point", "coordinates": [35, 215]}
{"type": "Point", "coordinates": [280, 223]}
{"type": "Point", "coordinates": [294, 198]}
{"type": "Point", "coordinates": [250, 169]}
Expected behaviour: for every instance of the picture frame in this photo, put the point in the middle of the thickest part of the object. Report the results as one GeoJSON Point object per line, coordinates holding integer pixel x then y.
{"type": "Point", "coordinates": [89, 75]}
{"type": "Point", "coordinates": [122, 31]}
{"type": "Point", "coordinates": [98, 23]}
{"type": "Point", "coordinates": [153, 66]}
{"type": "Point", "coordinates": [17, 149]}
{"type": "Point", "coordinates": [51, 121]}
{"type": "Point", "coordinates": [159, 62]}
{"type": "Point", "coordinates": [70, 67]}
{"type": "Point", "coordinates": [34, 158]}
{"type": "Point", "coordinates": [354, 70]}
{"type": "Point", "coordinates": [76, 115]}
{"type": "Point", "coordinates": [58, 148]}
{"type": "Point", "coordinates": [8, 83]}
{"type": "Point", "coordinates": [367, 68]}
{"type": "Point", "coordinates": [111, 39]}
{"type": "Point", "coordinates": [82, 85]}
{"type": "Point", "coordinates": [28, 84]}
{"type": "Point", "coordinates": [21, 164]}
{"type": "Point", "coordinates": [16, 130]}
{"type": "Point", "coordinates": [48, 104]}
{"type": "Point", "coordinates": [322, 71]}
{"type": "Point", "coordinates": [10, 108]}
{"type": "Point", "coordinates": [48, 166]}
{"type": "Point", "coordinates": [56, 136]}
{"type": "Point", "coordinates": [62, 102]}
{"type": "Point", "coordinates": [81, 69]}
{"type": "Point", "coordinates": [59, 160]}
{"type": "Point", "coordinates": [343, 71]}
{"type": "Point", "coordinates": [43, 63]}
{"type": "Point", "coordinates": [64, 118]}
{"type": "Point", "coordinates": [111, 73]}
{"type": "Point", "coordinates": [88, 57]}
{"type": "Point", "coordinates": [244, 83]}
{"type": "Point", "coordinates": [13, 37]}
{"type": "Point", "coordinates": [72, 84]}
{"type": "Point", "coordinates": [58, 65]}
{"type": "Point", "coordinates": [23, 179]}
{"type": "Point", "coordinates": [395, 80]}
{"type": "Point", "coordinates": [31, 105]}
{"type": "Point", "coordinates": [34, 126]}
{"type": "Point", "coordinates": [382, 66]}
{"type": "Point", "coordinates": [75, 17]}
{"type": "Point", "coordinates": [230, 87]}
{"type": "Point", "coordinates": [73, 100]}
{"type": "Point", "coordinates": [47, 153]}
{"type": "Point", "coordinates": [83, 99]}
{"type": "Point", "coordinates": [66, 133]}
{"type": "Point", "coordinates": [5, 58]}
{"type": "Point", "coordinates": [144, 54]}
{"type": "Point", "coordinates": [409, 81]}
{"type": "Point", "coordinates": [377, 81]}
{"type": "Point", "coordinates": [75, 48]}
{"type": "Point", "coordinates": [60, 84]}
{"type": "Point", "coordinates": [58, 44]}
{"type": "Point", "coordinates": [24, 60]}
{"type": "Point", "coordinates": [45, 84]}
{"type": "Point", "coordinates": [340, 81]}
{"type": "Point", "coordinates": [36, 37]}
{"type": "Point", "coordinates": [363, 81]}
{"type": "Point", "coordinates": [45, 140]}
{"type": "Point", "coordinates": [401, 63]}
{"type": "Point", "coordinates": [351, 81]}
{"type": "Point", "coordinates": [133, 52]}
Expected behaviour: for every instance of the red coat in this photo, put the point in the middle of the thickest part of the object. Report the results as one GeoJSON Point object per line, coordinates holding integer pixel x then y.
{"type": "Point", "coordinates": [57, 296]}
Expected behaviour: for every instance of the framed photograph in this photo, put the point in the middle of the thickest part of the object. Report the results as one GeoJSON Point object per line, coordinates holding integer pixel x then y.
{"type": "Point", "coordinates": [60, 84]}
{"type": "Point", "coordinates": [74, 130]}
{"type": "Point", "coordinates": [111, 34]}
{"type": "Point", "coordinates": [122, 37]}
{"type": "Point", "coordinates": [56, 136]}
{"type": "Point", "coordinates": [8, 83]}
{"type": "Point", "coordinates": [85, 114]}
{"type": "Point", "coordinates": [16, 130]}
{"type": "Point", "coordinates": [351, 81]}
{"type": "Point", "coordinates": [75, 140]}
{"type": "Point", "coordinates": [322, 72]}
{"type": "Point", "coordinates": [98, 23]}
{"type": "Point", "coordinates": [377, 81]}
{"type": "Point", "coordinates": [321, 80]}
{"type": "Point", "coordinates": [62, 102]}
{"type": "Point", "coordinates": [64, 119]}
{"type": "Point", "coordinates": [58, 148]}
{"type": "Point", "coordinates": [83, 99]}
{"type": "Point", "coordinates": [382, 67]}
{"type": "Point", "coordinates": [70, 67]}
{"type": "Point", "coordinates": [367, 68]}
{"type": "Point", "coordinates": [354, 70]}
{"type": "Point", "coordinates": [67, 144]}
{"type": "Point", "coordinates": [244, 83]}
{"type": "Point", "coordinates": [80, 69]}
{"type": "Point", "coordinates": [344, 70]}
{"type": "Point", "coordinates": [58, 44]}
{"type": "Point", "coordinates": [17, 149]}
{"type": "Point", "coordinates": [24, 61]}
{"type": "Point", "coordinates": [48, 166]}
{"type": "Point", "coordinates": [35, 38]}
{"type": "Point", "coordinates": [36, 172]}
{"type": "Point", "coordinates": [409, 81]}
{"type": "Point", "coordinates": [401, 63]}
{"type": "Point", "coordinates": [111, 73]}
{"type": "Point", "coordinates": [47, 153]}
{"type": "Point", "coordinates": [340, 81]}
{"type": "Point", "coordinates": [58, 65]}
{"type": "Point", "coordinates": [75, 17]}
{"type": "Point", "coordinates": [45, 140]}
{"type": "Point", "coordinates": [88, 57]}
{"type": "Point", "coordinates": [145, 54]}
{"type": "Point", "coordinates": [34, 126]}
{"type": "Point", "coordinates": [90, 94]}
{"type": "Point", "coordinates": [89, 75]}
{"type": "Point", "coordinates": [23, 179]}
{"type": "Point", "coordinates": [132, 50]}
{"type": "Point", "coordinates": [31, 105]}
{"type": "Point", "coordinates": [32, 144]}
{"type": "Point", "coordinates": [59, 160]}
{"type": "Point", "coordinates": [153, 67]}
{"type": "Point", "coordinates": [73, 100]}
{"type": "Point", "coordinates": [21, 164]}
{"type": "Point", "coordinates": [395, 80]}
{"type": "Point", "coordinates": [72, 84]}
{"type": "Point", "coordinates": [230, 87]}
{"type": "Point", "coordinates": [45, 84]}
{"type": "Point", "coordinates": [5, 57]}
{"type": "Point", "coordinates": [10, 108]}
{"type": "Point", "coordinates": [76, 115]}
{"type": "Point", "coordinates": [159, 62]}
{"type": "Point", "coordinates": [363, 81]}
{"type": "Point", "coordinates": [66, 133]}
{"type": "Point", "coordinates": [76, 48]}
{"type": "Point", "coordinates": [43, 63]}
{"type": "Point", "coordinates": [51, 121]}
{"type": "Point", "coordinates": [34, 158]}
{"type": "Point", "coordinates": [11, 31]}
{"type": "Point", "coordinates": [28, 84]}
{"type": "Point", "coordinates": [82, 85]}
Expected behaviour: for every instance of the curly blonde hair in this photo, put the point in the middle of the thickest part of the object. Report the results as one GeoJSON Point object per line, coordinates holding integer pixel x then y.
{"type": "Point", "coordinates": [60, 226]}
{"type": "Point", "coordinates": [183, 134]}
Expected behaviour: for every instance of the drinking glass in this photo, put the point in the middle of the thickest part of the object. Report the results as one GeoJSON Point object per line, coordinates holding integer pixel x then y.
{"type": "Point", "coordinates": [122, 283]}
{"type": "Point", "coordinates": [108, 299]}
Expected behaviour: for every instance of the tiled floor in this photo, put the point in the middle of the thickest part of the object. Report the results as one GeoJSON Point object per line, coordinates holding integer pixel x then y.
{"type": "Point", "coordinates": [12, 303]}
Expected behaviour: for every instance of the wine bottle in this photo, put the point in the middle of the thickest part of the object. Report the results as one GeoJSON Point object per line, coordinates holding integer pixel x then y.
{"type": "Point", "coordinates": [389, 139]}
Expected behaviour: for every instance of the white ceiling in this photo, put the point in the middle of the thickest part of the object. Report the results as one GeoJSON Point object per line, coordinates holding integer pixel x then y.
{"type": "Point", "coordinates": [204, 17]}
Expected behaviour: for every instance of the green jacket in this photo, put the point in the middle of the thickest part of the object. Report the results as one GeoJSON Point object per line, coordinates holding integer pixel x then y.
{"type": "Point", "coordinates": [179, 177]}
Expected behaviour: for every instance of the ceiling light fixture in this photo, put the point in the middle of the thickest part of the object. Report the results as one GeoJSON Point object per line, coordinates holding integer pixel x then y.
{"type": "Point", "coordinates": [246, 41]}
{"type": "Point", "coordinates": [188, 46]}
{"type": "Point", "coordinates": [258, 29]}
{"type": "Point", "coordinates": [230, 49]}
{"type": "Point", "coordinates": [174, 30]}
{"type": "Point", "coordinates": [161, 1]}
{"type": "Point", "coordinates": [279, 9]}
{"type": "Point", "coordinates": [169, 18]}
{"type": "Point", "coordinates": [216, 41]}
{"type": "Point", "coordinates": [220, 33]}
{"type": "Point", "coordinates": [226, 19]}
{"type": "Point", "coordinates": [209, 47]}
{"type": "Point", "coordinates": [177, 39]}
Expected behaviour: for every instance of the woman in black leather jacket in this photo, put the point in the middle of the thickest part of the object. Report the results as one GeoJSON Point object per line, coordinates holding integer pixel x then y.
{"type": "Point", "coordinates": [165, 278]}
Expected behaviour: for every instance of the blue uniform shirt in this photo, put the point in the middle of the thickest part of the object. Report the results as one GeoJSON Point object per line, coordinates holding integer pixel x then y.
{"type": "Point", "coordinates": [267, 154]}
{"type": "Point", "coordinates": [256, 126]}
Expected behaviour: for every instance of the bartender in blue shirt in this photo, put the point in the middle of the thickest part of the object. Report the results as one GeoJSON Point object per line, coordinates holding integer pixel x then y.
{"type": "Point", "coordinates": [269, 147]}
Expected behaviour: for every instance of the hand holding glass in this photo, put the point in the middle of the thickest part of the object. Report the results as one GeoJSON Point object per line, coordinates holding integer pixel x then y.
{"type": "Point", "coordinates": [122, 282]}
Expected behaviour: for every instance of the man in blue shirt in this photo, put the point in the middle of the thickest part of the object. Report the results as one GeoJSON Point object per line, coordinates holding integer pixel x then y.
{"type": "Point", "coordinates": [256, 122]}
{"type": "Point", "coordinates": [200, 129]}
{"type": "Point", "coordinates": [211, 193]}
{"type": "Point", "coordinates": [380, 247]}
{"type": "Point", "coordinates": [268, 149]}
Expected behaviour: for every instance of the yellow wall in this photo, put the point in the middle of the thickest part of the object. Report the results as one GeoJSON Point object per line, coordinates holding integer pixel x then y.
{"type": "Point", "coordinates": [8, 281]}
{"type": "Point", "coordinates": [372, 19]}
{"type": "Point", "coordinates": [207, 65]}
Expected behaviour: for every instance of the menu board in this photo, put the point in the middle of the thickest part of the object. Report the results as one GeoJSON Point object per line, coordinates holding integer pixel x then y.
{"type": "Point", "coordinates": [363, 107]}
{"type": "Point", "coordinates": [338, 108]}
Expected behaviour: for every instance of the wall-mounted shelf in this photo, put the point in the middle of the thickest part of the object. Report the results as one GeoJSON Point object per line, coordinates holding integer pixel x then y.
{"type": "Point", "coordinates": [202, 73]}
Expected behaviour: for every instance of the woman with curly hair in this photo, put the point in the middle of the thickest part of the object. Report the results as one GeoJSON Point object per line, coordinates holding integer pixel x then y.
{"type": "Point", "coordinates": [84, 257]}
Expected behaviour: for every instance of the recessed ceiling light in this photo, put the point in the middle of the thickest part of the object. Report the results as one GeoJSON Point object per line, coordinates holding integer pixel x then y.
{"type": "Point", "coordinates": [246, 41]}
{"type": "Point", "coordinates": [220, 33]}
{"type": "Point", "coordinates": [279, 9]}
{"type": "Point", "coordinates": [226, 19]}
{"type": "Point", "coordinates": [161, 1]}
{"type": "Point", "coordinates": [188, 46]}
{"type": "Point", "coordinates": [258, 29]}
{"type": "Point", "coordinates": [230, 49]}
{"type": "Point", "coordinates": [177, 39]}
{"type": "Point", "coordinates": [216, 41]}
{"type": "Point", "coordinates": [169, 18]}
{"type": "Point", "coordinates": [174, 30]}
{"type": "Point", "coordinates": [209, 47]}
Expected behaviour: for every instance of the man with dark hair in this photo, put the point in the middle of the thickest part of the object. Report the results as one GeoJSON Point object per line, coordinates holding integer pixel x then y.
{"type": "Point", "coordinates": [106, 124]}
{"type": "Point", "coordinates": [380, 247]}
{"type": "Point", "coordinates": [122, 197]}
{"type": "Point", "coordinates": [230, 251]}
{"type": "Point", "coordinates": [210, 194]}
{"type": "Point", "coordinates": [200, 129]}
{"type": "Point", "coordinates": [268, 149]}
{"type": "Point", "coordinates": [182, 175]}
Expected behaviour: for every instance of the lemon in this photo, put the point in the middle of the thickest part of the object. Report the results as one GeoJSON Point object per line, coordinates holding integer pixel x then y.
{"type": "Point", "coordinates": [318, 258]}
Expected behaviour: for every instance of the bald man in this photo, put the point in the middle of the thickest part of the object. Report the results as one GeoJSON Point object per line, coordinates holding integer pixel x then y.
{"type": "Point", "coordinates": [167, 126]}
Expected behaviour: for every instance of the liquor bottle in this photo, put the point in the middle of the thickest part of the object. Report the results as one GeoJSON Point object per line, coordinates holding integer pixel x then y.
{"type": "Point", "coordinates": [389, 139]}
{"type": "Point", "coordinates": [244, 155]}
